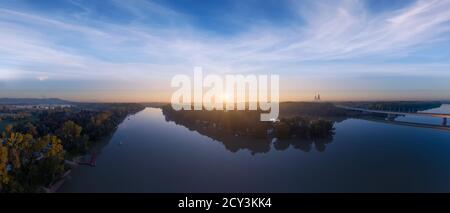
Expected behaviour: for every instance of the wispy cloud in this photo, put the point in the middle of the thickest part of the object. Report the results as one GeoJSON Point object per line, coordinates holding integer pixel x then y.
{"type": "Point", "coordinates": [42, 78]}
{"type": "Point", "coordinates": [158, 40]}
{"type": "Point", "coordinates": [346, 30]}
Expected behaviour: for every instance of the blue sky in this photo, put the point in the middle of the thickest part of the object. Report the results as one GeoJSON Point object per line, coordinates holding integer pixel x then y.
{"type": "Point", "coordinates": [100, 50]}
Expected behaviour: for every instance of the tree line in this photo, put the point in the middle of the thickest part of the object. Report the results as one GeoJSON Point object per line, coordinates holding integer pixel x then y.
{"type": "Point", "coordinates": [247, 123]}
{"type": "Point", "coordinates": [32, 153]}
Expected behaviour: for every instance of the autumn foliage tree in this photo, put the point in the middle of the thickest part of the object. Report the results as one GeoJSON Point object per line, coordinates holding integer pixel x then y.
{"type": "Point", "coordinates": [26, 162]}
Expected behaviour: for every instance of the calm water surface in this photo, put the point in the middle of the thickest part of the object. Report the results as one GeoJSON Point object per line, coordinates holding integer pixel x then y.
{"type": "Point", "coordinates": [149, 154]}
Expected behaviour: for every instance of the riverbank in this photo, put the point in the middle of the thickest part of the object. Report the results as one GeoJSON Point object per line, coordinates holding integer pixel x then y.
{"type": "Point", "coordinates": [94, 149]}
{"type": "Point", "coordinates": [80, 160]}
{"type": "Point", "coordinates": [162, 157]}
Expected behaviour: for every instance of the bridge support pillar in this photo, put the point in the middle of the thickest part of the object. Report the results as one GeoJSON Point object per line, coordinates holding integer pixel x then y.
{"type": "Point", "coordinates": [444, 122]}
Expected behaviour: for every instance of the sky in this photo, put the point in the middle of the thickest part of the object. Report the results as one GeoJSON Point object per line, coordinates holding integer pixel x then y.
{"type": "Point", "coordinates": [117, 51]}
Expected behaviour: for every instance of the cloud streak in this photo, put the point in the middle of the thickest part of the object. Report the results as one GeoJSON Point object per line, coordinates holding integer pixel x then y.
{"type": "Point", "coordinates": [76, 46]}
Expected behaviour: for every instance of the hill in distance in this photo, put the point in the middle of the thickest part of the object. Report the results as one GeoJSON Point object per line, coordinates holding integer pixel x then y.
{"type": "Point", "coordinates": [33, 101]}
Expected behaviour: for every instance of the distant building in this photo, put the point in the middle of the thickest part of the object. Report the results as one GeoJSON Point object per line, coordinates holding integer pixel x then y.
{"type": "Point", "coordinates": [317, 97]}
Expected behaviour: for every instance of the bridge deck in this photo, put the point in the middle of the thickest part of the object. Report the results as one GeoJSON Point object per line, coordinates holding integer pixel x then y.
{"type": "Point", "coordinates": [429, 114]}
{"type": "Point", "coordinates": [412, 124]}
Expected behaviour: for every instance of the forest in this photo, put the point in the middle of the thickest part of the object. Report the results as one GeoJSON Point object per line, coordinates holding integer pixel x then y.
{"type": "Point", "coordinates": [33, 152]}
{"type": "Point", "coordinates": [247, 123]}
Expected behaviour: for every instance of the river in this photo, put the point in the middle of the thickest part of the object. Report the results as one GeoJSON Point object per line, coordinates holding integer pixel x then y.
{"type": "Point", "coordinates": [149, 154]}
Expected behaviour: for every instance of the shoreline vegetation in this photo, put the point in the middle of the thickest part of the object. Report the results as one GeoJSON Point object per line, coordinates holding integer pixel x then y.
{"type": "Point", "coordinates": [41, 144]}
{"type": "Point", "coordinates": [247, 123]}
{"type": "Point", "coordinates": [37, 155]}
{"type": "Point", "coordinates": [302, 125]}
{"type": "Point", "coordinates": [299, 123]}
{"type": "Point", "coordinates": [398, 106]}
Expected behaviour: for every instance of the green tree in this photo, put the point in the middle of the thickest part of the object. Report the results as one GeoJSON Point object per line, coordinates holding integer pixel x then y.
{"type": "Point", "coordinates": [70, 134]}
{"type": "Point", "coordinates": [282, 130]}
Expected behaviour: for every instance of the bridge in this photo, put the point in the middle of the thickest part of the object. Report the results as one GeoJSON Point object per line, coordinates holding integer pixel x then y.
{"type": "Point", "coordinates": [412, 124]}
{"type": "Point", "coordinates": [429, 114]}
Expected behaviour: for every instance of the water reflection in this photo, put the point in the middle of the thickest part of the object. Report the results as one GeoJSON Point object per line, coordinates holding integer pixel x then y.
{"type": "Point", "coordinates": [304, 144]}
{"type": "Point", "coordinates": [362, 156]}
{"type": "Point", "coordinates": [242, 136]}
{"type": "Point", "coordinates": [234, 142]}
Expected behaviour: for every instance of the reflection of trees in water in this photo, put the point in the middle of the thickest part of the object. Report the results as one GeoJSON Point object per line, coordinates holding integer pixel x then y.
{"type": "Point", "coordinates": [236, 143]}
{"type": "Point", "coordinates": [302, 125]}
{"type": "Point", "coordinates": [304, 144]}
{"type": "Point", "coordinates": [238, 140]}
{"type": "Point", "coordinates": [232, 142]}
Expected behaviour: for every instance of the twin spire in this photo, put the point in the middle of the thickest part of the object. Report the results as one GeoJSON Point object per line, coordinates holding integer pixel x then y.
{"type": "Point", "coordinates": [317, 97]}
